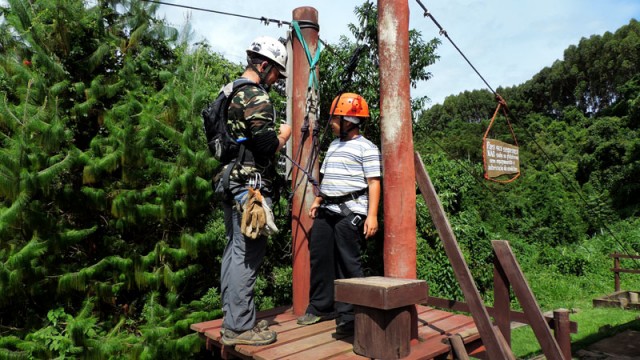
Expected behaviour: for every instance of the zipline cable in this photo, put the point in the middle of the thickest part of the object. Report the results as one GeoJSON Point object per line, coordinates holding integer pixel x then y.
{"type": "Point", "coordinates": [263, 19]}
{"type": "Point", "coordinates": [444, 32]}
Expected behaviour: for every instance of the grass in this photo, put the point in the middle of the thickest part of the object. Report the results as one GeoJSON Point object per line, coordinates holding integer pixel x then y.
{"type": "Point", "coordinates": [554, 290]}
{"type": "Point", "coordinates": [594, 324]}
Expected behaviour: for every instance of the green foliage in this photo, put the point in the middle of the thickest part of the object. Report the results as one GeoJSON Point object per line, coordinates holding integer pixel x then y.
{"type": "Point", "coordinates": [434, 267]}
{"type": "Point", "coordinates": [457, 194]}
{"type": "Point", "coordinates": [212, 300]}
{"type": "Point", "coordinates": [111, 238]}
{"type": "Point", "coordinates": [566, 261]}
{"type": "Point", "coordinates": [55, 338]}
{"type": "Point", "coordinates": [577, 145]}
{"type": "Point", "coordinates": [105, 188]}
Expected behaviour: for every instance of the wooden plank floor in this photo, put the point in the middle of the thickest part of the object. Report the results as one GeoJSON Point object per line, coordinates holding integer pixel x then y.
{"type": "Point", "coordinates": [319, 341]}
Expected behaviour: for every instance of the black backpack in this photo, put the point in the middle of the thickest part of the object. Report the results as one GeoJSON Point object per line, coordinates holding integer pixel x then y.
{"type": "Point", "coordinates": [222, 145]}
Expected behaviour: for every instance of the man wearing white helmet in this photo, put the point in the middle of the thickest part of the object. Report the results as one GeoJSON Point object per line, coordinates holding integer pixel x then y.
{"type": "Point", "coordinates": [268, 48]}
{"type": "Point", "coordinates": [252, 121]}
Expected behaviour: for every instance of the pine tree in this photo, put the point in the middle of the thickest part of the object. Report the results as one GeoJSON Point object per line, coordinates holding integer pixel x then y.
{"type": "Point", "coordinates": [107, 225]}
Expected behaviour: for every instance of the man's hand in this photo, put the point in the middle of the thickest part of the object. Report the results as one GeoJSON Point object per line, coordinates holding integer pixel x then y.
{"type": "Point", "coordinates": [370, 227]}
{"type": "Point", "coordinates": [313, 210]}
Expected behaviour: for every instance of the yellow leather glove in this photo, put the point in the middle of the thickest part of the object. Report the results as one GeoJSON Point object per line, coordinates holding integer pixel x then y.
{"type": "Point", "coordinates": [253, 215]}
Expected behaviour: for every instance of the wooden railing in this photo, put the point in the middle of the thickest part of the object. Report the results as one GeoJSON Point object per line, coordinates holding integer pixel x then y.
{"type": "Point", "coordinates": [503, 315]}
{"type": "Point", "coordinates": [617, 269]}
{"type": "Point", "coordinates": [507, 274]}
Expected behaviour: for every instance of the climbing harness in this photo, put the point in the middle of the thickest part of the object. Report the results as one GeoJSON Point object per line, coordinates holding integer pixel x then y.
{"type": "Point", "coordinates": [354, 219]}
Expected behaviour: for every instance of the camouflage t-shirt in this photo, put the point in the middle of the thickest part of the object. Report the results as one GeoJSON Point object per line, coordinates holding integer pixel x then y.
{"type": "Point", "coordinates": [251, 109]}
{"type": "Point", "coordinates": [252, 117]}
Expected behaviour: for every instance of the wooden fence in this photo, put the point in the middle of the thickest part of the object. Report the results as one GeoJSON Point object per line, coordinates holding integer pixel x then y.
{"type": "Point", "coordinates": [617, 269]}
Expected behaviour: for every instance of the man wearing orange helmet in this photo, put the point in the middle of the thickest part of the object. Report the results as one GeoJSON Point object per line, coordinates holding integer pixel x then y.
{"type": "Point", "coordinates": [345, 211]}
{"type": "Point", "coordinates": [252, 119]}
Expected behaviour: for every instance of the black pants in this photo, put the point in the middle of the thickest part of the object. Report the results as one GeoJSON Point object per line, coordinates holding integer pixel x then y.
{"type": "Point", "coordinates": [334, 249]}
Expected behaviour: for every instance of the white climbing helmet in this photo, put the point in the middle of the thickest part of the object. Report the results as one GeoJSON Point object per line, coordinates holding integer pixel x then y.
{"type": "Point", "coordinates": [271, 49]}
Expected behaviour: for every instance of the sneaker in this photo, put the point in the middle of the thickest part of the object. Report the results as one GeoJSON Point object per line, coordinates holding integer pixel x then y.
{"type": "Point", "coordinates": [309, 319]}
{"type": "Point", "coordinates": [345, 329]}
{"type": "Point", "coordinates": [256, 336]}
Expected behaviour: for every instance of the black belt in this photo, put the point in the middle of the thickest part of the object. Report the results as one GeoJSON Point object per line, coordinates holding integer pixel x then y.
{"type": "Point", "coordinates": [344, 198]}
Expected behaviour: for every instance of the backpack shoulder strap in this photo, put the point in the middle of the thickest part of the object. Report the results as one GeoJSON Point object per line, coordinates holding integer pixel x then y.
{"type": "Point", "coordinates": [240, 83]}
{"type": "Point", "coordinates": [237, 85]}
{"type": "Point", "coordinates": [229, 168]}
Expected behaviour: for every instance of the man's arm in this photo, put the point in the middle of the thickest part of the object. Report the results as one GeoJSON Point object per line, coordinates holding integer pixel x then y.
{"type": "Point", "coordinates": [259, 117]}
{"type": "Point", "coordinates": [284, 135]}
{"type": "Point", "coordinates": [371, 224]}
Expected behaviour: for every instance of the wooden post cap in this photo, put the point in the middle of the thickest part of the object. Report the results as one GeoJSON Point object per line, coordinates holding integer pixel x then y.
{"type": "Point", "coordinates": [381, 292]}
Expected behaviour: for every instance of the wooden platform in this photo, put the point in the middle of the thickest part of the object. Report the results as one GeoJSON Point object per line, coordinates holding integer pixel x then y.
{"type": "Point", "coordinates": [319, 341]}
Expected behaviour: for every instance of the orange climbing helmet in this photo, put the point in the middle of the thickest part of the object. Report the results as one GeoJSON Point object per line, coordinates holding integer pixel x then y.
{"type": "Point", "coordinates": [350, 104]}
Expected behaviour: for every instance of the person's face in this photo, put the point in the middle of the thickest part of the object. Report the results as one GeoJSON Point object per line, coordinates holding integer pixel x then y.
{"type": "Point", "coordinates": [335, 124]}
{"type": "Point", "coordinates": [272, 76]}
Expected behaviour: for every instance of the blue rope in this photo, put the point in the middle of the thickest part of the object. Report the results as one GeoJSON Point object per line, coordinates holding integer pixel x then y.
{"type": "Point", "coordinates": [313, 62]}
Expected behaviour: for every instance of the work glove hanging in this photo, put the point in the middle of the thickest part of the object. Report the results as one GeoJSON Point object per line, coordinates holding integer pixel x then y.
{"type": "Point", "coordinates": [270, 227]}
{"type": "Point", "coordinates": [253, 216]}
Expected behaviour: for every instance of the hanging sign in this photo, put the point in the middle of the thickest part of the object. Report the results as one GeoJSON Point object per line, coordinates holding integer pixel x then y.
{"type": "Point", "coordinates": [500, 158]}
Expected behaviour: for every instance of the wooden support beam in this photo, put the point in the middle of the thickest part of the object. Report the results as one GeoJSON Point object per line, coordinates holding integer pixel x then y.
{"type": "Point", "coordinates": [495, 344]}
{"type": "Point", "coordinates": [501, 302]}
{"type": "Point", "coordinates": [530, 307]}
{"type": "Point", "coordinates": [457, 345]}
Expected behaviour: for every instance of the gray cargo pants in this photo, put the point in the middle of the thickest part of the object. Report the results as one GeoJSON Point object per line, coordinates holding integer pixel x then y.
{"type": "Point", "coordinates": [240, 263]}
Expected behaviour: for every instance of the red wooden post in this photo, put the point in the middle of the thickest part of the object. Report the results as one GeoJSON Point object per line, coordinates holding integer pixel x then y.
{"type": "Point", "coordinates": [303, 196]}
{"type": "Point", "coordinates": [562, 331]}
{"type": "Point", "coordinates": [399, 195]}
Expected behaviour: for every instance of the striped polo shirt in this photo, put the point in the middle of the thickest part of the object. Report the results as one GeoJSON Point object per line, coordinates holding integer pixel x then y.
{"type": "Point", "coordinates": [345, 169]}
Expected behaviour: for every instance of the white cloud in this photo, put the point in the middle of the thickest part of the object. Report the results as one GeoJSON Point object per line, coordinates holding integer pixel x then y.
{"type": "Point", "coordinates": [507, 41]}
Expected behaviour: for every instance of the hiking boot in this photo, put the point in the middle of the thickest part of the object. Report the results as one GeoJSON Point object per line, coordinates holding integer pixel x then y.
{"type": "Point", "coordinates": [259, 335]}
{"type": "Point", "coordinates": [262, 325]}
{"type": "Point", "coordinates": [309, 318]}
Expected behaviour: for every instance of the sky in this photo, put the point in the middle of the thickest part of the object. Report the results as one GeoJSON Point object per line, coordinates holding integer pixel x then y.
{"type": "Point", "coordinates": [507, 41]}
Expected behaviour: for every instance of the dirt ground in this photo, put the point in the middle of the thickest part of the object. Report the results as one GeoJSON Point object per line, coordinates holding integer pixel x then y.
{"type": "Point", "coordinates": [623, 346]}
